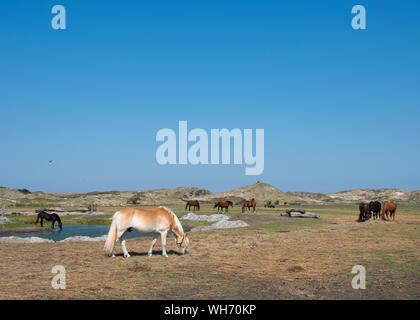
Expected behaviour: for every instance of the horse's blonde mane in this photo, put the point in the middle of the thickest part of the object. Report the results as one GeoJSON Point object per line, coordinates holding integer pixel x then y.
{"type": "Point", "coordinates": [177, 222]}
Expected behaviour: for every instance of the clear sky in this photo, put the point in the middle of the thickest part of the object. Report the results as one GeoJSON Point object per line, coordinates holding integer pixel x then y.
{"type": "Point", "coordinates": [340, 108]}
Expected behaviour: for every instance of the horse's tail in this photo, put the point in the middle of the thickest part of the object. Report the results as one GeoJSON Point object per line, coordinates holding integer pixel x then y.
{"type": "Point", "coordinates": [198, 205]}
{"type": "Point", "coordinates": [112, 236]}
{"type": "Point", "coordinates": [37, 218]}
{"type": "Point", "coordinates": [186, 206]}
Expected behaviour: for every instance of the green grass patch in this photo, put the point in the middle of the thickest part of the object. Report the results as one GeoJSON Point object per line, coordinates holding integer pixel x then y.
{"type": "Point", "coordinates": [14, 225]}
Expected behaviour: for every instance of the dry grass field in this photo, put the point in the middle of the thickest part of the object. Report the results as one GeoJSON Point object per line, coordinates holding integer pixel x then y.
{"type": "Point", "coordinates": [275, 258]}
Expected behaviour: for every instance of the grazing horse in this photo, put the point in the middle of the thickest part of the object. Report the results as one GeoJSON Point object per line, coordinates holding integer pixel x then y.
{"type": "Point", "coordinates": [248, 205]}
{"type": "Point", "coordinates": [43, 214]}
{"type": "Point", "coordinates": [389, 207]}
{"type": "Point", "coordinates": [192, 203]}
{"type": "Point", "coordinates": [157, 221]}
{"type": "Point", "coordinates": [375, 209]}
{"type": "Point", "coordinates": [223, 204]}
{"type": "Point", "coordinates": [364, 212]}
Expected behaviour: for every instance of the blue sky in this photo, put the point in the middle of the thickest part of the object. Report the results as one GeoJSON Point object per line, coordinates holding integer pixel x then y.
{"type": "Point", "coordinates": [340, 108]}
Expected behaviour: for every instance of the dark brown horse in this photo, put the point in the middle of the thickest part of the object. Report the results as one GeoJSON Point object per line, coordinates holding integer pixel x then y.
{"type": "Point", "coordinates": [248, 205]}
{"type": "Point", "coordinates": [375, 209]}
{"type": "Point", "coordinates": [223, 204]}
{"type": "Point", "coordinates": [389, 207]}
{"type": "Point", "coordinates": [192, 203]}
{"type": "Point", "coordinates": [364, 212]}
{"type": "Point", "coordinates": [43, 214]}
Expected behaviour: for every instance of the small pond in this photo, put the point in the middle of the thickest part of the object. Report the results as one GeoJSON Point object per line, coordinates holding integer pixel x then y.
{"type": "Point", "coordinates": [78, 230]}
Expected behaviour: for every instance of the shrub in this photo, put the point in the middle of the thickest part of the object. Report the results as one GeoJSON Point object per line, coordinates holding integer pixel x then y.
{"type": "Point", "coordinates": [136, 199]}
{"type": "Point", "coordinates": [24, 191]}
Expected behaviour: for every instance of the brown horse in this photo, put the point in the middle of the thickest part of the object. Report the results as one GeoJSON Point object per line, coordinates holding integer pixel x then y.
{"type": "Point", "coordinates": [192, 203]}
{"type": "Point", "coordinates": [223, 204]}
{"type": "Point", "coordinates": [389, 207]}
{"type": "Point", "coordinates": [364, 212]}
{"type": "Point", "coordinates": [248, 205]}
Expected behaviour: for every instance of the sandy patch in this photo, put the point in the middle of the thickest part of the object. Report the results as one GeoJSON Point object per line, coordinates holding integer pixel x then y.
{"type": "Point", "coordinates": [14, 239]}
{"type": "Point", "coordinates": [221, 221]}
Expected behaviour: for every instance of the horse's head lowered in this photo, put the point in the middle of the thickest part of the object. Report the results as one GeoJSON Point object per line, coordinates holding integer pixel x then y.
{"type": "Point", "coordinates": [60, 224]}
{"type": "Point", "coordinates": [183, 242]}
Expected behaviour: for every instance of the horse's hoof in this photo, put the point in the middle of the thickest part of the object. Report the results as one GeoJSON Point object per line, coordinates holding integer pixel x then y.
{"type": "Point", "coordinates": [149, 254]}
{"type": "Point", "coordinates": [127, 256]}
{"type": "Point", "coordinates": [165, 255]}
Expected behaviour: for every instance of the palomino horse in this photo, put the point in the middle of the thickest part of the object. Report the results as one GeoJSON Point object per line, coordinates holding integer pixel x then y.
{"type": "Point", "coordinates": [157, 221]}
{"type": "Point", "coordinates": [192, 203]}
{"type": "Point", "coordinates": [42, 214]}
{"type": "Point", "coordinates": [223, 204]}
{"type": "Point", "coordinates": [248, 205]}
{"type": "Point", "coordinates": [389, 207]}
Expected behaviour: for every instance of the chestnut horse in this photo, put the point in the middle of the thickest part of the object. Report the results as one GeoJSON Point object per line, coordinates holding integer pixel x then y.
{"type": "Point", "coordinates": [389, 207]}
{"type": "Point", "coordinates": [248, 205]}
{"type": "Point", "coordinates": [192, 203]}
{"type": "Point", "coordinates": [223, 204]}
{"type": "Point", "coordinates": [157, 221]}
